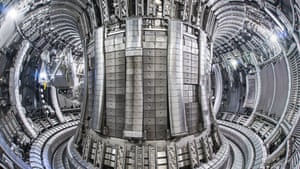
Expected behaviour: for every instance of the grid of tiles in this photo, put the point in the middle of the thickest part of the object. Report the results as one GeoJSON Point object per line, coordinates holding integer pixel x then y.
{"type": "Point", "coordinates": [191, 76]}
{"type": "Point", "coordinates": [155, 84]}
{"type": "Point", "coordinates": [115, 84]}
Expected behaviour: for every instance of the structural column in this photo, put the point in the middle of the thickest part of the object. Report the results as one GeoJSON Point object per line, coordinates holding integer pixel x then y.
{"type": "Point", "coordinates": [177, 114]}
{"type": "Point", "coordinates": [204, 78]}
{"type": "Point", "coordinates": [134, 79]}
{"type": "Point", "coordinates": [98, 102]}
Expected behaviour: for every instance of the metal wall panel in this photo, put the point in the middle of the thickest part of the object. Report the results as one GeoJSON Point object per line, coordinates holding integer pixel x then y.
{"type": "Point", "coordinates": [251, 91]}
{"type": "Point", "coordinates": [177, 115]}
{"type": "Point", "coordinates": [281, 88]}
{"type": "Point", "coordinates": [146, 79]}
{"type": "Point", "coordinates": [190, 60]}
{"type": "Point", "coordinates": [204, 76]}
{"type": "Point", "coordinates": [134, 79]}
{"type": "Point", "coordinates": [267, 89]}
{"type": "Point", "coordinates": [115, 84]}
{"type": "Point", "coordinates": [191, 78]}
{"type": "Point", "coordinates": [155, 83]}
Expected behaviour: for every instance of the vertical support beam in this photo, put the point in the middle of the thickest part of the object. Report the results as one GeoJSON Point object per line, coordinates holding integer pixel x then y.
{"type": "Point", "coordinates": [98, 100]}
{"type": "Point", "coordinates": [258, 93]}
{"type": "Point", "coordinates": [120, 157]}
{"type": "Point", "coordinates": [193, 154]}
{"type": "Point", "coordinates": [134, 79]}
{"type": "Point", "coordinates": [139, 7]}
{"type": "Point", "coordinates": [219, 88]}
{"type": "Point", "coordinates": [139, 157]}
{"type": "Point", "coordinates": [204, 77]}
{"type": "Point", "coordinates": [81, 130]}
{"type": "Point", "coordinates": [99, 154]}
{"type": "Point", "coordinates": [116, 7]}
{"type": "Point", "coordinates": [202, 14]}
{"type": "Point", "coordinates": [187, 10]}
{"type": "Point", "coordinates": [199, 11]}
{"type": "Point", "coordinates": [172, 156]}
{"type": "Point", "coordinates": [168, 8]}
{"type": "Point", "coordinates": [152, 156]}
{"type": "Point", "coordinates": [55, 105]}
{"type": "Point", "coordinates": [104, 11]}
{"type": "Point", "coordinates": [192, 2]}
{"type": "Point", "coordinates": [149, 7]}
{"type": "Point", "coordinates": [153, 7]}
{"type": "Point", "coordinates": [86, 147]}
{"type": "Point", "coordinates": [123, 8]}
{"type": "Point", "coordinates": [177, 114]}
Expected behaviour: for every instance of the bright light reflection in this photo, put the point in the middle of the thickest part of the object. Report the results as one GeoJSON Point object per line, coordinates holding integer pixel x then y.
{"type": "Point", "coordinates": [234, 63]}
{"type": "Point", "coordinates": [13, 14]}
{"type": "Point", "coordinates": [157, 2]}
{"type": "Point", "coordinates": [273, 38]}
{"type": "Point", "coordinates": [43, 76]}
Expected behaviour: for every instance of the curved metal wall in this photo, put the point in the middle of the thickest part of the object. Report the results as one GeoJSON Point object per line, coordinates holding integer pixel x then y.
{"type": "Point", "coordinates": [267, 89]}
{"type": "Point", "coordinates": [282, 88]}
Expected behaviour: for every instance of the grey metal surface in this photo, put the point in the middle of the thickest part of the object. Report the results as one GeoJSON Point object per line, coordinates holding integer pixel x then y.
{"type": "Point", "coordinates": [177, 116]}
{"type": "Point", "coordinates": [219, 88]}
{"type": "Point", "coordinates": [55, 104]}
{"type": "Point", "coordinates": [204, 73]}
{"type": "Point", "coordinates": [14, 88]}
{"type": "Point", "coordinates": [151, 85]}
{"type": "Point", "coordinates": [155, 84]}
{"type": "Point", "coordinates": [282, 88]}
{"type": "Point", "coordinates": [267, 78]}
{"type": "Point", "coordinates": [99, 83]}
{"type": "Point", "coordinates": [115, 83]}
{"type": "Point", "coordinates": [190, 77]}
{"type": "Point", "coordinates": [251, 83]}
{"type": "Point", "coordinates": [134, 79]}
